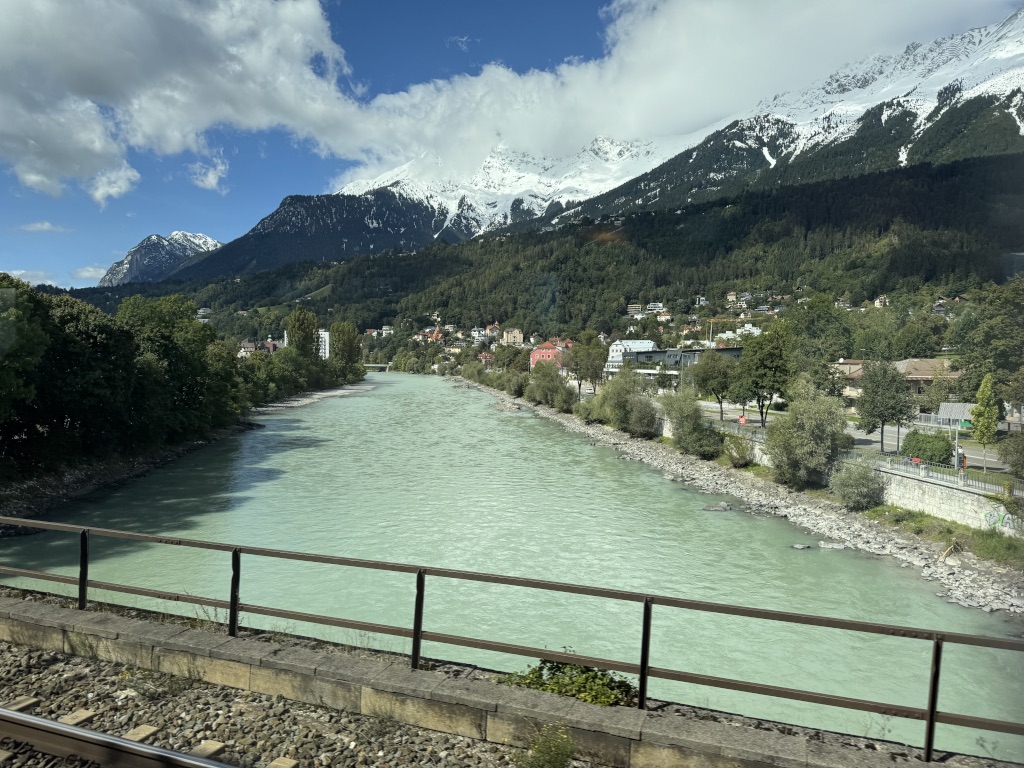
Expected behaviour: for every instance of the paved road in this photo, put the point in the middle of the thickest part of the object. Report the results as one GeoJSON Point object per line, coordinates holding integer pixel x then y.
{"type": "Point", "coordinates": [975, 458]}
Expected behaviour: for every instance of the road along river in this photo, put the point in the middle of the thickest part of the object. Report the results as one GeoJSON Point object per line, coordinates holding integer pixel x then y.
{"type": "Point", "coordinates": [411, 469]}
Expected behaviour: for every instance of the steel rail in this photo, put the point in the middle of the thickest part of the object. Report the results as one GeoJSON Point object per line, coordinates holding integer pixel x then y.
{"type": "Point", "coordinates": [61, 740]}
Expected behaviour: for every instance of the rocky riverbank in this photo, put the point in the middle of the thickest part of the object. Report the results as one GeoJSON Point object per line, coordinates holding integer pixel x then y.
{"type": "Point", "coordinates": [965, 579]}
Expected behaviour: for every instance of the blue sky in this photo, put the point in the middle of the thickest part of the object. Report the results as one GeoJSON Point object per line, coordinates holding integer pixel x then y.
{"type": "Point", "coordinates": [123, 119]}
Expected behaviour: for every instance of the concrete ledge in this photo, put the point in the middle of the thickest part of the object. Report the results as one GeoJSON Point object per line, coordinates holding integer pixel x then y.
{"type": "Point", "coordinates": [477, 709]}
{"type": "Point", "coordinates": [435, 715]}
{"type": "Point", "coordinates": [306, 688]}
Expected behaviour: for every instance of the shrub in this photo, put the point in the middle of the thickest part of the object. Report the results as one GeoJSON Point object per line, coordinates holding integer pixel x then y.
{"type": "Point", "coordinates": [804, 445]}
{"type": "Point", "coordinates": [858, 486]}
{"type": "Point", "coordinates": [1011, 450]}
{"type": "Point", "coordinates": [690, 431]}
{"type": "Point", "coordinates": [738, 450]}
{"type": "Point", "coordinates": [594, 686]}
{"type": "Point", "coordinates": [642, 418]}
{"type": "Point", "coordinates": [934, 448]}
{"type": "Point", "coordinates": [585, 410]}
{"type": "Point", "coordinates": [550, 748]}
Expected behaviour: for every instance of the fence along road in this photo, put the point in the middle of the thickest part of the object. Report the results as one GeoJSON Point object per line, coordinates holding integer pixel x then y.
{"type": "Point", "coordinates": [930, 715]}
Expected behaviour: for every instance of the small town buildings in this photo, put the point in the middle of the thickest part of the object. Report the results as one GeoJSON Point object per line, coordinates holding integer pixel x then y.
{"type": "Point", "coordinates": [918, 372]}
{"type": "Point", "coordinates": [512, 337]}
{"type": "Point", "coordinates": [387, 330]}
{"type": "Point", "coordinates": [634, 309]}
{"type": "Point", "coordinates": [618, 348]}
{"type": "Point", "coordinates": [486, 358]}
{"type": "Point", "coordinates": [649, 363]}
{"type": "Point", "coordinates": [478, 334]}
{"type": "Point", "coordinates": [546, 353]}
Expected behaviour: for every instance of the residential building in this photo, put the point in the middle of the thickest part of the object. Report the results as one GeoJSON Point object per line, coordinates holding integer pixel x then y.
{"type": "Point", "coordinates": [546, 353]}
{"type": "Point", "coordinates": [634, 309]}
{"type": "Point", "coordinates": [919, 373]}
{"type": "Point", "coordinates": [618, 348]}
{"type": "Point", "coordinates": [387, 330]}
{"type": "Point", "coordinates": [649, 363]}
{"type": "Point", "coordinates": [513, 337]}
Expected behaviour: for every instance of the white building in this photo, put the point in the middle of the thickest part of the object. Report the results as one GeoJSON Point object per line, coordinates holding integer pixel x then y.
{"type": "Point", "coordinates": [323, 340]}
{"type": "Point", "coordinates": [616, 349]}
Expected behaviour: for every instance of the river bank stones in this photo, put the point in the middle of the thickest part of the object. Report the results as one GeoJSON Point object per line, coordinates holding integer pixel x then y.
{"type": "Point", "coordinates": [968, 581]}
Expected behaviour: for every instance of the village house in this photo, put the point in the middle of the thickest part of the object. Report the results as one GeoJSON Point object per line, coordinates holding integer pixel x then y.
{"type": "Point", "coordinates": [546, 353]}
{"type": "Point", "coordinates": [387, 330]}
{"type": "Point", "coordinates": [919, 374]}
{"type": "Point", "coordinates": [513, 337]}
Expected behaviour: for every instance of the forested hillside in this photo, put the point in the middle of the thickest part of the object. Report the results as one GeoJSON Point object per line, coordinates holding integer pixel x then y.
{"type": "Point", "coordinates": [949, 228]}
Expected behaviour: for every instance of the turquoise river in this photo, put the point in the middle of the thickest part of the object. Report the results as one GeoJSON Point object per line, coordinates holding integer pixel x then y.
{"type": "Point", "coordinates": [414, 470]}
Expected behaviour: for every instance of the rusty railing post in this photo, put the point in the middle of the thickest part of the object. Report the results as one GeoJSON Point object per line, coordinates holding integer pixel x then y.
{"type": "Point", "coordinates": [83, 569]}
{"type": "Point", "coordinates": [236, 580]}
{"type": "Point", "coordinates": [417, 618]}
{"type": "Point", "coordinates": [645, 655]}
{"type": "Point", "coordinates": [933, 697]}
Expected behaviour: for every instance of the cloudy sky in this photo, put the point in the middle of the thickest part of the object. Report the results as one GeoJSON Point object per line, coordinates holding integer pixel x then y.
{"type": "Point", "coordinates": [125, 118]}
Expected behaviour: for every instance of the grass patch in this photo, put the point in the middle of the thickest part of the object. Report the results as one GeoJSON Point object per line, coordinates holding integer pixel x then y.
{"type": "Point", "coordinates": [765, 473]}
{"type": "Point", "coordinates": [987, 544]}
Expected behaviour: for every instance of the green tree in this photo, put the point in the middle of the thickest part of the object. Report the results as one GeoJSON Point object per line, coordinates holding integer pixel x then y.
{"type": "Point", "coordinates": [690, 431]}
{"type": "Point", "coordinates": [765, 368]}
{"type": "Point", "coordinates": [586, 363]}
{"type": "Point", "coordinates": [991, 343]}
{"type": "Point", "coordinates": [985, 417]}
{"type": "Point", "coordinates": [713, 375]}
{"type": "Point", "coordinates": [345, 352]}
{"type": "Point", "coordinates": [805, 444]}
{"type": "Point", "coordinates": [547, 387]}
{"type": "Point", "coordinates": [1013, 392]}
{"type": "Point", "coordinates": [23, 340]}
{"type": "Point", "coordinates": [302, 334]}
{"type": "Point", "coordinates": [884, 398]}
{"type": "Point", "coordinates": [1011, 450]}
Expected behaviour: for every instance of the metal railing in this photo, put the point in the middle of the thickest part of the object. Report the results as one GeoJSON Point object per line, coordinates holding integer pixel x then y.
{"type": "Point", "coordinates": [930, 714]}
{"type": "Point", "coordinates": [947, 474]}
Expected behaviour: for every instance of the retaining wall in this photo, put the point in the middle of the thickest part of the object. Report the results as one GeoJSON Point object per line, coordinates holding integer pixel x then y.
{"type": "Point", "coordinates": [478, 709]}
{"type": "Point", "coordinates": [959, 505]}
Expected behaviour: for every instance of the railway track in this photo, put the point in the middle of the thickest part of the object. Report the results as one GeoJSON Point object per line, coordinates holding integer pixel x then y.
{"type": "Point", "coordinates": [27, 741]}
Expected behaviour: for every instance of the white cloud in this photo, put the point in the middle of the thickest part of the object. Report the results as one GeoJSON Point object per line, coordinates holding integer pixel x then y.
{"type": "Point", "coordinates": [41, 226]}
{"type": "Point", "coordinates": [89, 273]}
{"type": "Point", "coordinates": [209, 175]}
{"type": "Point", "coordinates": [157, 76]}
{"type": "Point", "coordinates": [31, 276]}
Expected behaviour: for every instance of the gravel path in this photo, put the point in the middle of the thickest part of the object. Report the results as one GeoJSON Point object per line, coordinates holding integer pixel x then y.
{"type": "Point", "coordinates": [964, 579]}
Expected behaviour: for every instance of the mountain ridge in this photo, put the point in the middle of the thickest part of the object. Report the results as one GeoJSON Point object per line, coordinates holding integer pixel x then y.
{"type": "Point", "coordinates": [156, 257]}
{"type": "Point", "coordinates": [947, 99]}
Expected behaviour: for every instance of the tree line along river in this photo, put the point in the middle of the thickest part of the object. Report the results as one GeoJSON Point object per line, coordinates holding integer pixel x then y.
{"type": "Point", "coordinates": [410, 469]}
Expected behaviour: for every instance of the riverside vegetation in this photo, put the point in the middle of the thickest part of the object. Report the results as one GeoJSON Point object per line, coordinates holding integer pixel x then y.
{"type": "Point", "coordinates": [78, 385]}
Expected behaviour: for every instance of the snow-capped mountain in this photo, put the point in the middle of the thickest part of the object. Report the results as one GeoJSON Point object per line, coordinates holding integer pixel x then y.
{"type": "Point", "coordinates": [512, 186]}
{"type": "Point", "coordinates": [156, 257]}
{"type": "Point", "coordinates": [958, 97]}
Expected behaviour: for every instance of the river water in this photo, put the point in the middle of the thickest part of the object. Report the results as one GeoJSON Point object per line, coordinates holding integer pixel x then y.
{"type": "Point", "coordinates": [411, 469]}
